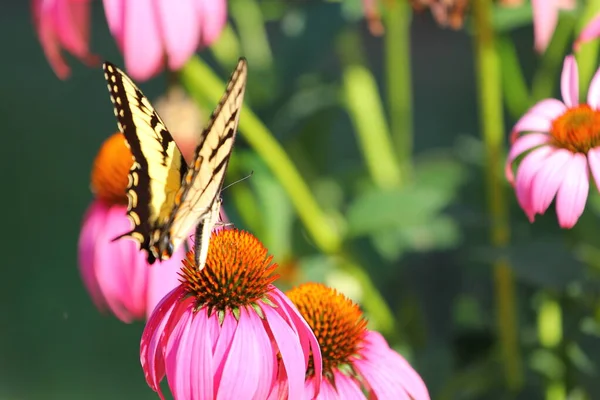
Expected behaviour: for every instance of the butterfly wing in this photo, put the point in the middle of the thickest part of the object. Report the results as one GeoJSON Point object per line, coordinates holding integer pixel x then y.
{"type": "Point", "coordinates": [203, 181]}
{"type": "Point", "coordinates": [155, 177]}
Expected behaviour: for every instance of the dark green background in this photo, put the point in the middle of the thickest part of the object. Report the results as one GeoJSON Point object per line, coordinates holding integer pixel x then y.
{"type": "Point", "coordinates": [54, 344]}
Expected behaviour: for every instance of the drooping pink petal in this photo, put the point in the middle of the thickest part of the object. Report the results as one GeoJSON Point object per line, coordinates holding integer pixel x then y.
{"type": "Point", "coordinates": [348, 388]}
{"type": "Point", "coordinates": [327, 392]}
{"type": "Point", "coordinates": [387, 372]}
{"type": "Point", "coordinates": [531, 123]}
{"type": "Point", "coordinates": [308, 340]}
{"type": "Point", "coordinates": [549, 178]}
{"type": "Point", "coordinates": [291, 354]}
{"type": "Point", "coordinates": [545, 18]}
{"type": "Point", "coordinates": [594, 162]}
{"type": "Point", "coordinates": [573, 191]}
{"type": "Point", "coordinates": [202, 368]}
{"type": "Point", "coordinates": [178, 356]}
{"type": "Point", "coordinates": [92, 224]}
{"type": "Point", "coordinates": [527, 170]}
{"type": "Point", "coordinates": [213, 17]}
{"type": "Point", "coordinates": [590, 32]}
{"type": "Point", "coordinates": [114, 10]}
{"type": "Point", "coordinates": [142, 43]}
{"type": "Point", "coordinates": [162, 278]}
{"type": "Point", "coordinates": [239, 381]}
{"type": "Point", "coordinates": [266, 355]}
{"type": "Point", "coordinates": [569, 82]}
{"type": "Point", "coordinates": [594, 91]}
{"type": "Point", "coordinates": [151, 356]}
{"type": "Point", "coordinates": [179, 28]}
{"type": "Point", "coordinates": [521, 145]}
{"type": "Point", "coordinates": [223, 345]}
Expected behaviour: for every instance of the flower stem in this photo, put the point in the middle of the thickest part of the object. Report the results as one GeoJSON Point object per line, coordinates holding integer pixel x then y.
{"type": "Point", "coordinates": [491, 117]}
{"type": "Point", "coordinates": [398, 80]}
{"type": "Point", "coordinates": [203, 84]}
{"type": "Point", "coordinates": [364, 106]}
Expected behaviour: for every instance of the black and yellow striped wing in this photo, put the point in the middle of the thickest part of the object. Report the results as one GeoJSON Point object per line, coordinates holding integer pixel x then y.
{"type": "Point", "coordinates": [201, 187]}
{"type": "Point", "coordinates": [155, 177]}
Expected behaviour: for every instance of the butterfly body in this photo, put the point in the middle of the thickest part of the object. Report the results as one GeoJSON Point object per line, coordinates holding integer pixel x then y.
{"type": "Point", "coordinates": [168, 198]}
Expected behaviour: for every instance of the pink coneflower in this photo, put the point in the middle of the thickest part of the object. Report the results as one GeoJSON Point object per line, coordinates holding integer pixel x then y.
{"type": "Point", "coordinates": [562, 143]}
{"type": "Point", "coordinates": [150, 32]}
{"type": "Point", "coordinates": [355, 360]}
{"type": "Point", "coordinates": [63, 24]}
{"type": "Point", "coordinates": [226, 332]}
{"type": "Point", "coordinates": [116, 273]}
{"type": "Point", "coordinates": [545, 18]}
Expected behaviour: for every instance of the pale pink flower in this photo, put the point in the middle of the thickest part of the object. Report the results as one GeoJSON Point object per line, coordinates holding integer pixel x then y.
{"type": "Point", "coordinates": [590, 32]}
{"type": "Point", "coordinates": [560, 147]}
{"type": "Point", "coordinates": [116, 273]}
{"type": "Point", "coordinates": [355, 360]}
{"type": "Point", "coordinates": [545, 19]}
{"type": "Point", "coordinates": [63, 24]}
{"type": "Point", "coordinates": [148, 31]}
{"type": "Point", "coordinates": [226, 332]}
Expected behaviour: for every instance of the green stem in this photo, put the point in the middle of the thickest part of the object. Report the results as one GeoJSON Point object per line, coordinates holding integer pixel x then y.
{"type": "Point", "coordinates": [587, 56]}
{"type": "Point", "coordinates": [491, 117]}
{"type": "Point", "coordinates": [398, 80]}
{"type": "Point", "coordinates": [204, 84]}
{"type": "Point", "coordinates": [550, 335]}
{"type": "Point", "coordinates": [363, 102]}
{"type": "Point", "coordinates": [252, 33]}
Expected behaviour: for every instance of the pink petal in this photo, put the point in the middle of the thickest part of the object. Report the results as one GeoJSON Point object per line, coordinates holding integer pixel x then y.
{"type": "Point", "coordinates": [549, 178]}
{"type": "Point", "coordinates": [151, 355]}
{"type": "Point", "coordinates": [178, 357]}
{"type": "Point", "coordinates": [590, 32]}
{"type": "Point", "coordinates": [72, 24]}
{"type": "Point", "coordinates": [594, 91]}
{"type": "Point", "coordinates": [531, 123]}
{"type": "Point", "coordinates": [291, 352]}
{"type": "Point", "coordinates": [213, 17]}
{"type": "Point", "coordinates": [308, 340]}
{"type": "Point", "coordinates": [387, 373]}
{"type": "Point", "coordinates": [327, 392]}
{"type": "Point", "coordinates": [569, 82]}
{"type": "Point", "coordinates": [527, 170]}
{"type": "Point", "coordinates": [223, 345]}
{"type": "Point", "coordinates": [46, 31]}
{"type": "Point", "coordinates": [349, 389]}
{"type": "Point", "coordinates": [594, 161]}
{"type": "Point", "coordinates": [545, 17]}
{"type": "Point", "coordinates": [114, 11]}
{"type": "Point", "coordinates": [142, 44]}
{"type": "Point", "coordinates": [573, 192]}
{"type": "Point", "coordinates": [92, 223]}
{"type": "Point", "coordinates": [202, 367]}
{"type": "Point", "coordinates": [266, 357]}
{"type": "Point", "coordinates": [521, 145]}
{"type": "Point", "coordinates": [179, 27]}
{"type": "Point", "coordinates": [239, 381]}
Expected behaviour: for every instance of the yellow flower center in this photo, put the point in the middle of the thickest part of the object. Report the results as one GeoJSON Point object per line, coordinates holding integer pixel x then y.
{"type": "Point", "coordinates": [336, 321]}
{"type": "Point", "coordinates": [237, 273]}
{"type": "Point", "coordinates": [111, 169]}
{"type": "Point", "coordinates": [577, 130]}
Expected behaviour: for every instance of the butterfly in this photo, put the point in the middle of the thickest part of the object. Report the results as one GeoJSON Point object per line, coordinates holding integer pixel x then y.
{"type": "Point", "coordinates": [167, 198]}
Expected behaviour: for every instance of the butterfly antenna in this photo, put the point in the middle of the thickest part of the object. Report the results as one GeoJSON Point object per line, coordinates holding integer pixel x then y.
{"type": "Point", "coordinates": [238, 181]}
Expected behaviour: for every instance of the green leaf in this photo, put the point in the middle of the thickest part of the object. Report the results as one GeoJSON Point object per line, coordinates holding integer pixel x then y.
{"type": "Point", "coordinates": [411, 206]}
{"type": "Point", "coordinates": [509, 18]}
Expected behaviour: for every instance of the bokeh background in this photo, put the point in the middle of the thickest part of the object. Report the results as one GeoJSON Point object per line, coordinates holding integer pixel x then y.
{"type": "Point", "coordinates": [425, 248]}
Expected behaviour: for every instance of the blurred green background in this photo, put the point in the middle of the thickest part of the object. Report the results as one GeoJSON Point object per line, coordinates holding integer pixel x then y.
{"type": "Point", "coordinates": [425, 245]}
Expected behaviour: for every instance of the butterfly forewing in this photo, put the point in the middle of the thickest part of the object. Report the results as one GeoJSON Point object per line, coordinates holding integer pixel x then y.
{"type": "Point", "coordinates": [203, 181]}
{"type": "Point", "coordinates": [158, 167]}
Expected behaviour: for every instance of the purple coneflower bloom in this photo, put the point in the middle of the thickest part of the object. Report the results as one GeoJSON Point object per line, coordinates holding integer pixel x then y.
{"type": "Point", "coordinates": [561, 145]}
{"type": "Point", "coordinates": [357, 363]}
{"type": "Point", "coordinates": [226, 332]}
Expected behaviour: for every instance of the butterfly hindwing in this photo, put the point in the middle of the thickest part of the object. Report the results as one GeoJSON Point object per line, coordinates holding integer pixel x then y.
{"type": "Point", "coordinates": [158, 166]}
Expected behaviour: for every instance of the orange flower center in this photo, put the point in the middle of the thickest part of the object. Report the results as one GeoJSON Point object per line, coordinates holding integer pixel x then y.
{"type": "Point", "coordinates": [577, 130]}
{"type": "Point", "coordinates": [237, 273]}
{"type": "Point", "coordinates": [336, 321]}
{"type": "Point", "coordinates": [111, 169]}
